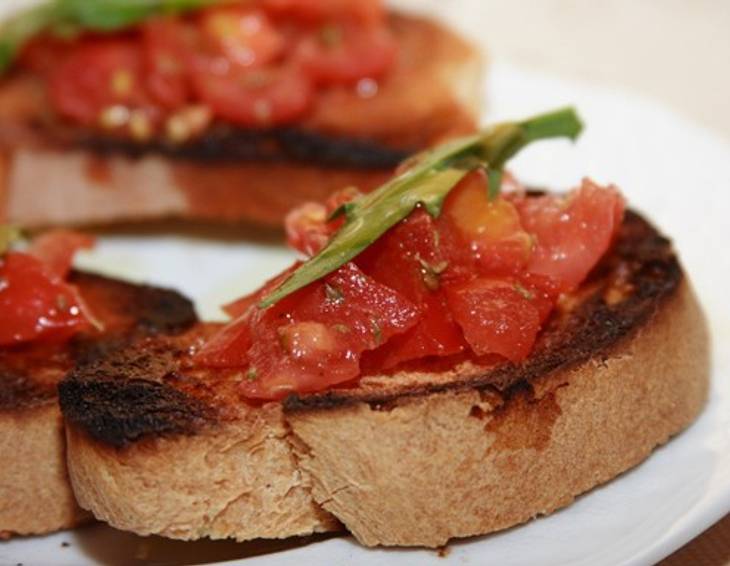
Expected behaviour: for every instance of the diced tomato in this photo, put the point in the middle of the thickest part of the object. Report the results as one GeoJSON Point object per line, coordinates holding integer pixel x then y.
{"type": "Point", "coordinates": [572, 232]}
{"type": "Point", "coordinates": [408, 258]}
{"type": "Point", "coordinates": [262, 97]}
{"type": "Point", "coordinates": [36, 304]}
{"type": "Point", "coordinates": [486, 234]}
{"type": "Point", "coordinates": [343, 53]}
{"type": "Point", "coordinates": [240, 306]}
{"type": "Point", "coordinates": [242, 36]}
{"type": "Point", "coordinates": [497, 317]}
{"type": "Point", "coordinates": [56, 250]}
{"type": "Point", "coordinates": [312, 339]}
{"type": "Point", "coordinates": [364, 11]}
{"type": "Point", "coordinates": [309, 227]}
{"type": "Point", "coordinates": [96, 74]}
{"type": "Point", "coordinates": [44, 53]}
{"type": "Point", "coordinates": [168, 44]}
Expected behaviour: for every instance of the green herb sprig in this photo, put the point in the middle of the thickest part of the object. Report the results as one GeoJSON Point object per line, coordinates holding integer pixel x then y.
{"type": "Point", "coordinates": [69, 17]}
{"type": "Point", "coordinates": [426, 183]}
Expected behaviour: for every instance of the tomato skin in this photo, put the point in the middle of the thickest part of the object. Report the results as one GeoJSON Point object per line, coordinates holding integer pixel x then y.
{"type": "Point", "coordinates": [496, 317]}
{"type": "Point", "coordinates": [168, 44]}
{"type": "Point", "coordinates": [36, 303]}
{"type": "Point", "coordinates": [483, 235]}
{"type": "Point", "coordinates": [573, 233]}
{"type": "Point", "coordinates": [312, 339]}
{"type": "Point", "coordinates": [342, 53]}
{"type": "Point", "coordinates": [244, 37]}
{"type": "Point", "coordinates": [259, 98]}
{"type": "Point", "coordinates": [408, 259]}
{"type": "Point", "coordinates": [96, 74]}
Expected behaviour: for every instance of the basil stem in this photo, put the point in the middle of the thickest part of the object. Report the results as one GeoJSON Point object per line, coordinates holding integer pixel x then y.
{"type": "Point", "coordinates": [427, 183]}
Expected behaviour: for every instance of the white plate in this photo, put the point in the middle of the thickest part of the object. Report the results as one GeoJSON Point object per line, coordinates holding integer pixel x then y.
{"type": "Point", "coordinates": [665, 165]}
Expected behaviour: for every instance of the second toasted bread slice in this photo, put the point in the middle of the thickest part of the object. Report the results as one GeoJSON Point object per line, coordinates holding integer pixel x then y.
{"type": "Point", "coordinates": [35, 495]}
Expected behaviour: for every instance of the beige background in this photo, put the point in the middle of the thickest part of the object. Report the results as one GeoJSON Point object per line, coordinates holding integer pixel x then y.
{"type": "Point", "coordinates": [677, 51]}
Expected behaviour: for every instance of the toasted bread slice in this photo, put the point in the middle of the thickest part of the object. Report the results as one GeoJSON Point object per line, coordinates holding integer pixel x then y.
{"type": "Point", "coordinates": [35, 495]}
{"type": "Point", "coordinates": [54, 175]}
{"type": "Point", "coordinates": [414, 458]}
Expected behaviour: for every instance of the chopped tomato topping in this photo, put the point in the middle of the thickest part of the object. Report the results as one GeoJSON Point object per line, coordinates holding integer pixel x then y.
{"type": "Point", "coordinates": [497, 317]}
{"type": "Point", "coordinates": [487, 234]}
{"type": "Point", "coordinates": [167, 46]}
{"type": "Point", "coordinates": [310, 226]}
{"type": "Point", "coordinates": [572, 232]}
{"type": "Point", "coordinates": [263, 97]}
{"type": "Point", "coordinates": [312, 339]}
{"type": "Point", "coordinates": [96, 75]}
{"type": "Point", "coordinates": [409, 259]}
{"type": "Point", "coordinates": [342, 53]}
{"type": "Point", "coordinates": [36, 304]}
{"type": "Point", "coordinates": [242, 36]}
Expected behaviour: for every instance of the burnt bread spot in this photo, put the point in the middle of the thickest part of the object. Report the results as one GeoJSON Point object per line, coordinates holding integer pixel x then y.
{"type": "Point", "coordinates": [29, 374]}
{"type": "Point", "coordinates": [641, 265]}
{"type": "Point", "coordinates": [122, 397]}
{"type": "Point", "coordinates": [226, 144]}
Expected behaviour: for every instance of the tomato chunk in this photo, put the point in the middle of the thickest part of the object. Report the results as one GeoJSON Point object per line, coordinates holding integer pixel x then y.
{"type": "Point", "coordinates": [573, 232]}
{"type": "Point", "coordinates": [496, 317]}
{"type": "Point", "coordinates": [408, 258]}
{"type": "Point", "coordinates": [343, 53]}
{"type": "Point", "coordinates": [312, 339]}
{"type": "Point", "coordinates": [95, 75]}
{"type": "Point", "coordinates": [263, 97]}
{"type": "Point", "coordinates": [168, 44]}
{"type": "Point", "coordinates": [242, 36]}
{"type": "Point", "coordinates": [484, 235]}
{"type": "Point", "coordinates": [36, 303]}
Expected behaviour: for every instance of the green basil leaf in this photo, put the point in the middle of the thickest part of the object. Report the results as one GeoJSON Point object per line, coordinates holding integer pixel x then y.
{"type": "Point", "coordinates": [427, 182]}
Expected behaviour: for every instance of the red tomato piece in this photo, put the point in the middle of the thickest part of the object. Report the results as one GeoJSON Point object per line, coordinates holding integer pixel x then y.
{"type": "Point", "coordinates": [364, 11]}
{"type": "Point", "coordinates": [484, 235]}
{"type": "Point", "coordinates": [97, 74]}
{"type": "Point", "coordinates": [56, 250]}
{"type": "Point", "coordinates": [408, 258]}
{"type": "Point", "coordinates": [36, 303]}
{"type": "Point", "coordinates": [261, 97]}
{"type": "Point", "coordinates": [168, 44]}
{"type": "Point", "coordinates": [312, 339]}
{"type": "Point", "coordinates": [244, 37]}
{"type": "Point", "coordinates": [343, 53]}
{"type": "Point", "coordinates": [573, 233]}
{"type": "Point", "coordinates": [44, 53]}
{"type": "Point", "coordinates": [309, 227]}
{"type": "Point", "coordinates": [496, 317]}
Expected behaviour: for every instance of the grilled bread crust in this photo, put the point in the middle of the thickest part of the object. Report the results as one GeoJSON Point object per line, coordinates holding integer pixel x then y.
{"type": "Point", "coordinates": [54, 175]}
{"type": "Point", "coordinates": [35, 494]}
{"type": "Point", "coordinates": [413, 458]}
